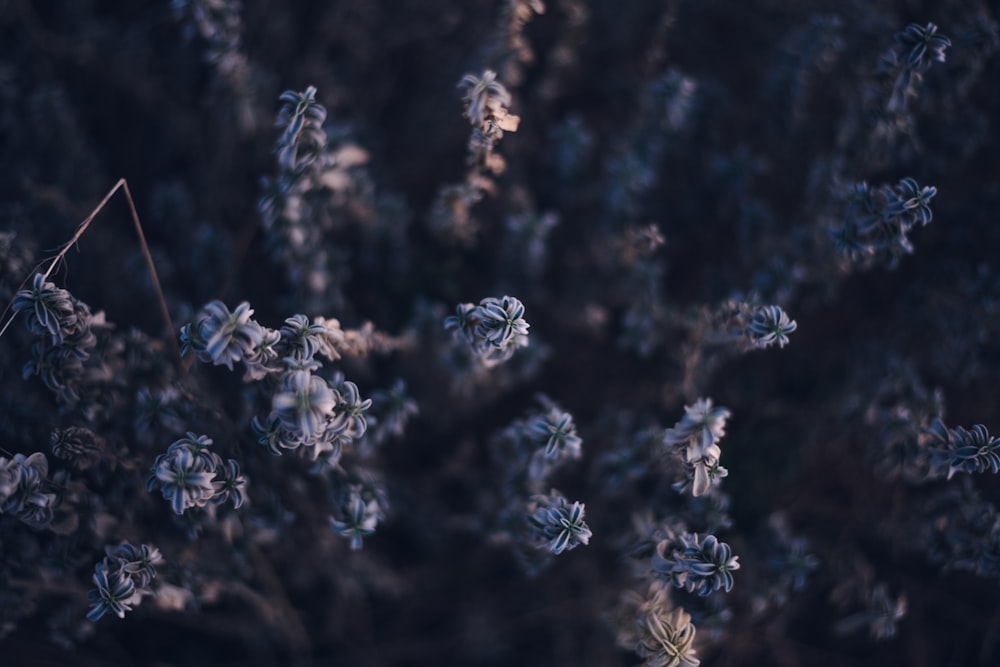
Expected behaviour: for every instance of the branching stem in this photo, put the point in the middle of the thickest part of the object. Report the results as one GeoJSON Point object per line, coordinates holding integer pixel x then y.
{"type": "Point", "coordinates": [81, 228]}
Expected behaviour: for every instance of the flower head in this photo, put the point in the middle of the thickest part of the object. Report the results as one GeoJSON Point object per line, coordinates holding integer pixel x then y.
{"type": "Point", "coordinates": [221, 336]}
{"type": "Point", "coordinates": [919, 45]}
{"type": "Point", "coordinates": [484, 97]}
{"type": "Point", "coordinates": [361, 516]}
{"type": "Point", "coordinates": [114, 592]}
{"type": "Point", "coordinates": [770, 325]}
{"type": "Point", "coordinates": [556, 525]}
{"type": "Point", "coordinates": [304, 404]}
{"type": "Point", "coordinates": [185, 473]}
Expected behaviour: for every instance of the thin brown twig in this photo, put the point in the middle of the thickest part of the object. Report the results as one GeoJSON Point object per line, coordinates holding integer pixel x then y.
{"type": "Point", "coordinates": [81, 228]}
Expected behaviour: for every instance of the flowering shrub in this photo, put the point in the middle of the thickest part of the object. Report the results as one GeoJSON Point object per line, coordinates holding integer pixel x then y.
{"type": "Point", "coordinates": [508, 261]}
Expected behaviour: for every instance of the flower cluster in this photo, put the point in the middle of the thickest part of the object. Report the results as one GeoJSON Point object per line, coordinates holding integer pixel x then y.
{"type": "Point", "coordinates": [770, 325]}
{"type": "Point", "coordinates": [320, 415]}
{"type": "Point", "coordinates": [486, 101]}
{"type": "Point", "coordinates": [528, 452]}
{"type": "Point", "coordinates": [555, 524]}
{"type": "Point", "coordinates": [739, 324]}
{"type": "Point", "coordinates": [224, 337]}
{"type": "Point", "coordinates": [696, 437]}
{"type": "Point", "coordinates": [301, 118]}
{"type": "Point", "coordinates": [917, 48]}
{"type": "Point", "coordinates": [64, 326]}
{"type": "Point", "coordinates": [23, 493]}
{"type": "Point", "coordinates": [878, 220]}
{"type": "Point", "coordinates": [311, 413]}
{"type": "Point", "coordinates": [920, 45]}
{"type": "Point", "coordinates": [699, 565]}
{"type": "Point", "coordinates": [122, 579]}
{"type": "Point", "coordinates": [361, 509]}
{"type": "Point", "coordinates": [52, 311]}
{"type": "Point", "coordinates": [964, 450]}
{"type": "Point", "coordinates": [190, 475]}
{"type": "Point", "coordinates": [306, 409]}
{"type": "Point", "coordinates": [659, 633]}
{"type": "Point", "coordinates": [319, 186]}
{"type": "Point", "coordinates": [303, 408]}
{"type": "Point", "coordinates": [557, 434]}
{"type": "Point", "coordinates": [493, 330]}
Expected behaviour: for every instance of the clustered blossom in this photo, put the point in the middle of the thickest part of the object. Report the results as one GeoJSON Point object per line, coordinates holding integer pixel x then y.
{"type": "Point", "coordinates": [500, 321]}
{"type": "Point", "coordinates": [530, 450]}
{"type": "Point", "coordinates": [878, 220]}
{"type": "Point", "coordinates": [190, 475]}
{"type": "Point", "coordinates": [303, 339]}
{"type": "Point", "coordinates": [699, 565]}
{"type": "Point", "coordinates": [493, 330]}
{"type": "Point", "coordinates": [660, 633]}
{"type": "Point", "coordinates": [122, 579]}
{"type": "Point", "coordinates": [917, 48]}
{"type": "Point", "coordinates": [22, 489]}
{"type": "Point", "coordinates": [555, 524]}
{"type": "Point", "coordinates": [114, 591]}
{"type": "Point", "coordinates": [920, 45]}
{"type": "Point", "coordinates": [361, 515]}
{"type": "Point", "coordinates": [696, 437]}
{"type": "Point", "coordinates": [223, 337]}
{"type": "Point", "coordinates": [307, 410]}
{"type": "Point", "coordinates": [557, 433]}
{"type": "Point", "coordinates": [770, 325]}
{"type": "Point", "coordinates": [744, 321]}
{"type": "Point", "coordinates": [486, 101]}
{"type": "Point", "coordinates": [50, 311]}
{"type": "Point", "coordinates": [301, 117]}
{"type": "Point", "coordinates": [670, 640]}
{"type": "Point", "coordinates": [965, 450]}
{"type": "Point", "coordinates": [65, 327]}
{"type": "Point", "coordinates": [319, 183]}
{"type": "Point", "coordinates": [317, 415]}
{"type": "Point", "coordinates": [304, 404]}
